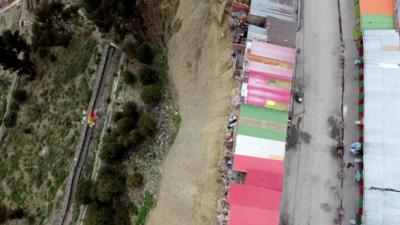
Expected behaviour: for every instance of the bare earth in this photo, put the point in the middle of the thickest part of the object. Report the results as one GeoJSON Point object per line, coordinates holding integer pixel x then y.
{"type": "Point", "coordinates": [201, 72]}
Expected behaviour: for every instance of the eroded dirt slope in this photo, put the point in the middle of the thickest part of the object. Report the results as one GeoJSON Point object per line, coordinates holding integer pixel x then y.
{"type": "Point", "coordinates": [201, 72]}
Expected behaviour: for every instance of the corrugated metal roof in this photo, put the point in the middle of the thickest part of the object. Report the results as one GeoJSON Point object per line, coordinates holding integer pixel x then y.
{"type": "Point", "coordinates": [377, 7]}
{"type": "Point", "coordinates": [381, 127]}
{"type": "Point", "coordinates": [280, 9]}
{"type": "Point", "coordinates": [377, 22]}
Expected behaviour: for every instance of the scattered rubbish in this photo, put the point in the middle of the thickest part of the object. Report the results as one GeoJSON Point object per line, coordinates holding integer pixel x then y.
{"type": "Point", "coordinates": [355, 148]}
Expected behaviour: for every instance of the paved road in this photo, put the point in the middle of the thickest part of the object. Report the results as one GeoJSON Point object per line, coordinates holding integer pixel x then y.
{"type": "Point", "coordinates": [313, 191]}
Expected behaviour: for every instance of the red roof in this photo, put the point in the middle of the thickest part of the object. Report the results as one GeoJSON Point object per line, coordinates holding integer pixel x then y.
{"type": "Point", "coordinates": [246, 163]}
{"type": "Point", "coordinates": [270, 180]}
{"type": "Point", "coordinates": [240, 215]}
{"type": "Point", "coordinates": [255, 197]}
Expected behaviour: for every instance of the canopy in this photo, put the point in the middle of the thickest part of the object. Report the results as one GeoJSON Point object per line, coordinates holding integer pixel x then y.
{"type": "Point", "coordinates": [272, 51]}
{"type": "Point", "coordinates": [256, 197]}
{"type": "Point", "coordinates": [259, 147]}
{"type": "Point", "coordinates": [377, 7]}
{"type": "Point", "coordinates": [265, 69]}
{"type": "Point", "coordinates": [381, 127]}
{"type": "Point", "coordinates": [242, 215]}
{"type": "Point", "coordinates": [270, 180]}
{"type": "Point", "coordinates": [247, 163]}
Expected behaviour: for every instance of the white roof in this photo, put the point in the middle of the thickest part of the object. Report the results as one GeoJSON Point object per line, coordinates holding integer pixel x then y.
{"type": "Point", "coordinates": [259, 147]}
{"type": "Point", "coordinates": [381, 127]}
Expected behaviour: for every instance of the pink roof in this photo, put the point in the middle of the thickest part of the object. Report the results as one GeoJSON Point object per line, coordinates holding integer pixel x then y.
{"type": "Point", "coordinates": [273, 51]}
{"type": "Point", "coordinates": [271, 76]}
{"type": "Point", "coordinates": [240, 215]}
{"type": "Point", "coordinates": [262, 96]}
{"type": "Point", "coordinates": [273, 181]}
{"type": "Point", "coordinates": [269, 69]}
{"type": "Point", "coordinates": [253, 196]}
{"type": "Point", "coordinates": [247, 163]}
{"type": "Point", "coordinates": [262, 83]}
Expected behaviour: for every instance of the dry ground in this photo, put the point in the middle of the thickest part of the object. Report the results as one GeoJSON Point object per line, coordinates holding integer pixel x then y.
{"type": "Point", "coordinates": [201, 72]}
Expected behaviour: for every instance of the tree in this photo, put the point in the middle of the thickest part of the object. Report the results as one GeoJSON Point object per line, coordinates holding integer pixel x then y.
{"type": "Point", "coordinates": [152, 94]}
{"type": "Point", "coordinates": [3, 213]}
{"type": "Point", "coordinates": [129, 77]}
{"type": "Point", "coordinates": [98, 214]}
{"type": "Point", "coordinates": [110, 184]}
{"type": "Point", "coordinates": [10, 120]}
{"type": "Point", "coordinates": [84, 191]}
{"type": "Point", "coordinates": [117, 116]}
{"type": "Point", "coordinates": [136, 180]}
{"type": "Point", "coordinates": [125, 125]}
{"type": "Point", "coordinates": [53, 24]}
{"type": "Point", "coordinates": [15, 54]}
{"type": "Point", "coordinates": [20, 95]}
{"type": "Point", "coordinates": [111, 152]}
{"type": "Point", "coordinates": [130, 109]}
{"type": "Point", "coordinates": [147, 125]}
{"type": "Point", "coordinates": [144, 54]}
{"type": "Point", "coordinates": [148, 75]}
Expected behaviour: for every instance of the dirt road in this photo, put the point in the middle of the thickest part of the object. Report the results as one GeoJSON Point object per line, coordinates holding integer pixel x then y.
{"type": "Point", "coordinates": [200, 70]}
{"type": "Point", "coordinates": [313, 191]}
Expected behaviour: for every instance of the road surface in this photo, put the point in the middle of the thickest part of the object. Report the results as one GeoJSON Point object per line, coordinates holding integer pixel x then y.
{"type": "Point", "coordinates": [313, 192]}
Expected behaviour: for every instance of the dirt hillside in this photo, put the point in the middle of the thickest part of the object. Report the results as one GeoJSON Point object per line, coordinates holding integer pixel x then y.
{"type": "Point", "coordinates": [201, 72]}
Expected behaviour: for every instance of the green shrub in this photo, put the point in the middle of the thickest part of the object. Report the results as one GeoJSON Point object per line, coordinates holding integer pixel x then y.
{"type": "Point", "coordinates": [129, 77]}
{"type": "Point", "coordinates": [148, 75]}
{"type": "Point", "coordinates": [117, 116]}
{"type": "Point", "coordinates": [136, 180]}
{"type": "Point", "coordinates": [98, 214]}
{"type": "Point", "coordinates": [10, 120]}
{"type": "Point", "coordinates": [152, 94]}
{"type": "Point", "coordinates": [83, 192]}
{"type": "Point", "coordinates": [129, 48]}
{"type": "Point", "coordinates": [20, 95]}
{"type": "Point", "coordinates": [130, 109]}
{"type": "Point", "coordinates": [144, 54]}
{"type": "Point", "coordinates": [3, 213]}
{"type": "Point", "coordinates": [147, 125]}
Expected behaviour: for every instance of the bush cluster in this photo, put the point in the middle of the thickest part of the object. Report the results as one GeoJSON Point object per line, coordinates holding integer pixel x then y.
{"type": "Point", "coordinates": [105, 196]}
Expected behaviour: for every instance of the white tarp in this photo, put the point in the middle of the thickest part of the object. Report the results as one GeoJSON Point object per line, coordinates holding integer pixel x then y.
{"type": "Point", "coordinates": [259, 147]}
{"type": "Point", "coordinates": [381, 127]}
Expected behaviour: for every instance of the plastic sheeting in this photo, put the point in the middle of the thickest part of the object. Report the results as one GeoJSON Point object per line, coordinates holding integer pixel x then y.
{"type": "Point", "coordinates": [252, 196]}
{"type": "Point", "coordinates": [242, 215]}
{"type": "Point", "coordinates": [272, 51]}
{"type": "Point", "coordinates": [259, 147]}
{"type": "Point", "coordinates": [245, 163]}
{"type": "Point", "coordinates": [381, 127]}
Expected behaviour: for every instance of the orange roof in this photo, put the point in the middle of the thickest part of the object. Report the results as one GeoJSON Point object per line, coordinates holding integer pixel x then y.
{"type": "Point", "coordinates": [381, 7]}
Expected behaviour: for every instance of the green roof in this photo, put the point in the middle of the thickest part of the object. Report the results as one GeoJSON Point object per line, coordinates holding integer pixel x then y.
{"type": "Point", "coordinates": [263, 122]}
{"type": "Point", "coordinates": [264, 114]}
{"type": "Point", "coordinates": [376, 22]}
{"type": "Point", "coordinates": [261, 133]}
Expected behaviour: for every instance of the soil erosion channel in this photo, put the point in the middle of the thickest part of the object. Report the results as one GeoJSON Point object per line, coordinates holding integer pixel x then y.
{"type": "Point", "coordinates": [201, 72]}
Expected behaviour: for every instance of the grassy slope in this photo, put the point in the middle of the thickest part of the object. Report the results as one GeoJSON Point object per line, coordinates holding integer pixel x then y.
{"type": "Point", "coordinates": [37, 153]}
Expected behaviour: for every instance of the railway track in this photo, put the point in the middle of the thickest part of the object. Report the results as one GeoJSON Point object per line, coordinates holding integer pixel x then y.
{"type": "Point", "coordinates": [83, 149]}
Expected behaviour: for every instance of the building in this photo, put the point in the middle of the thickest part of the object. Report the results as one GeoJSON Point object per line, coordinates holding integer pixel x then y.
{"type": "Point", "coordinates": [381, 127]}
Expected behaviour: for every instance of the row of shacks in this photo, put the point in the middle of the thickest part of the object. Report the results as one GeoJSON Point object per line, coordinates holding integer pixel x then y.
{"type": "Point", "coordinates": [378, 42]}
{"type": "Point", "coordinates": [264, 37]}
